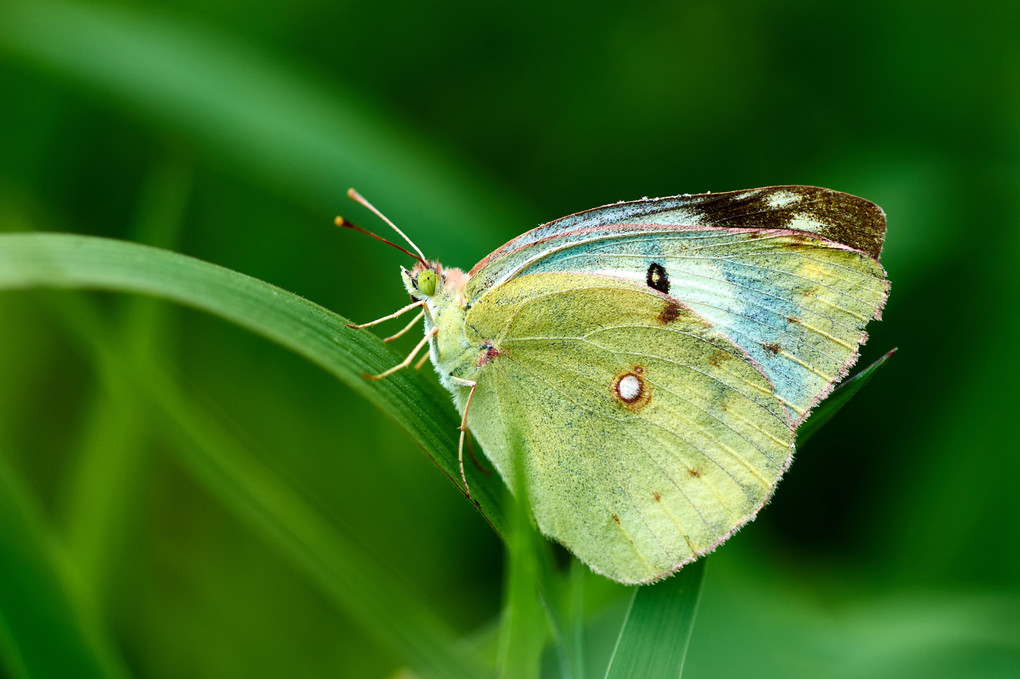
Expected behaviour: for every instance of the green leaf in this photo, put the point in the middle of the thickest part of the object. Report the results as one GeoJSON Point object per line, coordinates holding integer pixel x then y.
{"type": "Point", "coordinates": [654, 637]}
{"type": "Point", "coordinates": [839, 398]}
{"type": "Point", "coordinates": [419, 406]}
{"type": "Point", "coordinates": [45, 629]}
{"type": "Point", "coordinates": [348, 576]}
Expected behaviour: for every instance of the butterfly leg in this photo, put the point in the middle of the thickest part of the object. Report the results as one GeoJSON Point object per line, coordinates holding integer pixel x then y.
{"type": "Point", "coordinates": [407, 327]}
{"type": "Point", "coordinates": [463, 430]}
{"type": "Point", "coordinates": [410, 357]}
{"type": "Point", "coordinates": [395, 314]}
{"type": "Point", "coordinates": [421, 362]}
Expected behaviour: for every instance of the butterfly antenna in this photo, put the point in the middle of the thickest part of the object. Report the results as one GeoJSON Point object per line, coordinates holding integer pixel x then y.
{"type": "Point", "coordinates": [343, 223]}
{"type": "Point", "coordinates": [358, 198]}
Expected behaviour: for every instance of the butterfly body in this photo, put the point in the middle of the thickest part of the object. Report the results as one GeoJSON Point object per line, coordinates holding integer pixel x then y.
{"type": "Point", "coordinates": [651, 361]}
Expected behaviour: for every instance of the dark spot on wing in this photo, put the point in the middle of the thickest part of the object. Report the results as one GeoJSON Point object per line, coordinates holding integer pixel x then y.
{"type": "Point", "coordinates": [655, 494]}
{"type": "Point", "coordinates": [657, 278]}
{"type": "Point", "coordinates": [696, 473]}
{"type": "Point", "coordinates": [670, 312]}
{"type": "Point", "coordinates": [771, 347]}
{"type": "Point", "coordinates": [615, 518]}
{"type": "Point", "coordinates": [717, 358]}
{"type": "Point", "coordinates": [792, 319]}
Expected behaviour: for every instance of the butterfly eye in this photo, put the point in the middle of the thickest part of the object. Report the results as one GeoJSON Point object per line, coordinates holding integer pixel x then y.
{"type": "Point", "coordinates": [426, 282]}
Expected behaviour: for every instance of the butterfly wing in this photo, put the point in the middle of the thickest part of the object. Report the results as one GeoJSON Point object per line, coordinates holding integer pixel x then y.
{"type": "Point", "coordinates": [788, 273]}
{"type": "Point", "coordinates": [649, 435]}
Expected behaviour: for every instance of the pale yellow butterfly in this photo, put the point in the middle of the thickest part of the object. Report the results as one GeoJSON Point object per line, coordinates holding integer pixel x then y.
{"type": "Point", "coordinates": [651, 360]}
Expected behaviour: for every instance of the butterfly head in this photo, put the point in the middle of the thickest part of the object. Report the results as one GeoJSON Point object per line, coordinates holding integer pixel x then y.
{"type": "Point", "coordinates": [426, 280]}
{"type": "Point", "coordinates": [430, 280]}
{"type": "Point", "coordinates": [423, 280]}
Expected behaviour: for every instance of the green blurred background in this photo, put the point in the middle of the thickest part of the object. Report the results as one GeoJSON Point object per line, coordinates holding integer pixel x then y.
{"type": "Point", "coordinates": [230, 131]}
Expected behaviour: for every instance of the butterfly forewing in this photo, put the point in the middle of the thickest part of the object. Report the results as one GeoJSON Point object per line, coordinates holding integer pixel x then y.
{"type": "Point", "coordinates": [787, 273]}
{"type": "Point", "coordinates": [832, 215]}
{"type": "Point", "coordinates": [648, 436]}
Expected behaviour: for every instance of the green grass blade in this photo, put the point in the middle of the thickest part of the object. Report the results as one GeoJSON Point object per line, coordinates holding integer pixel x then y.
{"type": "Point", "coordinates": [362, 587]}
{"type": "Point", "coordinates": [419, 406]}
{"type": "Point", "coordinates": [839, 398]}
{"type": "Point", "coordinates": [358, 584]}
{"type": "Point", "coordinates": [44, 630]}
{"type": "Point", "coordinates": [250, 111]}
{"type": "Point", "coordinates": [523, 625]}
{"type": "Point", "coordinates": [109, 458]}
{"type": "Point", "coordinates": [574, 642]}
{"type": "Point", "coordinates": [654, 637]}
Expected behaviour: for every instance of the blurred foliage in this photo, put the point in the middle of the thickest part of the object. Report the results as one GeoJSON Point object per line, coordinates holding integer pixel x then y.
{"type": "Point", "coordinates": [231, 131]}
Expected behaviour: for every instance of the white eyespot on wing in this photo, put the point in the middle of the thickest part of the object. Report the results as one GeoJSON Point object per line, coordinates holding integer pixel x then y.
{"type": "Point", "coordinates": [630, 388]}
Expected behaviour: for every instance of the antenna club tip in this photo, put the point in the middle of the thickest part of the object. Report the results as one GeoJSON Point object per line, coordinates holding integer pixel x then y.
{"type": "Point", "coordinates": [340, 221]}
{"type": "Point", "coordinates": [352, 194]}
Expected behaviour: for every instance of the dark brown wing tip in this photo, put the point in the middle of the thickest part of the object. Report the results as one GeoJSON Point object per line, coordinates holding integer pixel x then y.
{"type": "Point", "coordinates": [851, 220]}
{"type": "Point", "coordinates": [837, 216]}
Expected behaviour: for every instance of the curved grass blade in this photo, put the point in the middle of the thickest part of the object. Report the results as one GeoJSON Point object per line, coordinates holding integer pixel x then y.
{"type": "Point", "coordinates": [419, 406]}
{"type": "Point", "coordinates": [44, 630]}
{"type": "Point", "coordinates": [654, 637]}
{"type": "Point", "coordinates": [356, 582]}
{"type": "Point", "coordinates": [839, 398]}
{"type": "Point", "coordinates": [253, 492]}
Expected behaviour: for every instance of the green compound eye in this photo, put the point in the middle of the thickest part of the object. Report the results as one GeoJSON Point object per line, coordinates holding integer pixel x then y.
{"type": "Point", "coordinates": [426, 282]}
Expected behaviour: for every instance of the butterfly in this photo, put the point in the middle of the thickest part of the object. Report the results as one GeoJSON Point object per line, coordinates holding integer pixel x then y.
{"type": "Point", "coordinates": [651, 360]}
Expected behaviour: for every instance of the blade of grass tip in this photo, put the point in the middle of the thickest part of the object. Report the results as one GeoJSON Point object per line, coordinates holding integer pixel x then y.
{"type": "Point", "coordinates": [418, 405]}
{"type": "Point", "coordinates": [523, 629]}
{"type": "Point", "coordinates": [365, 590]}
{"type": "Point", "coordinates": [45, 629]}
{"type": "Point", "coordinates": [654, 637]}
{"type": "Point", "coordinates": [109, 457]}
{"type": "Point", "coordinates": [839, 397]}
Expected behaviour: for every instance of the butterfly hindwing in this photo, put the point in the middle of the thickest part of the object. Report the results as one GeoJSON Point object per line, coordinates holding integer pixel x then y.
{"type": "Point", "coordinates": [649, 435]}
